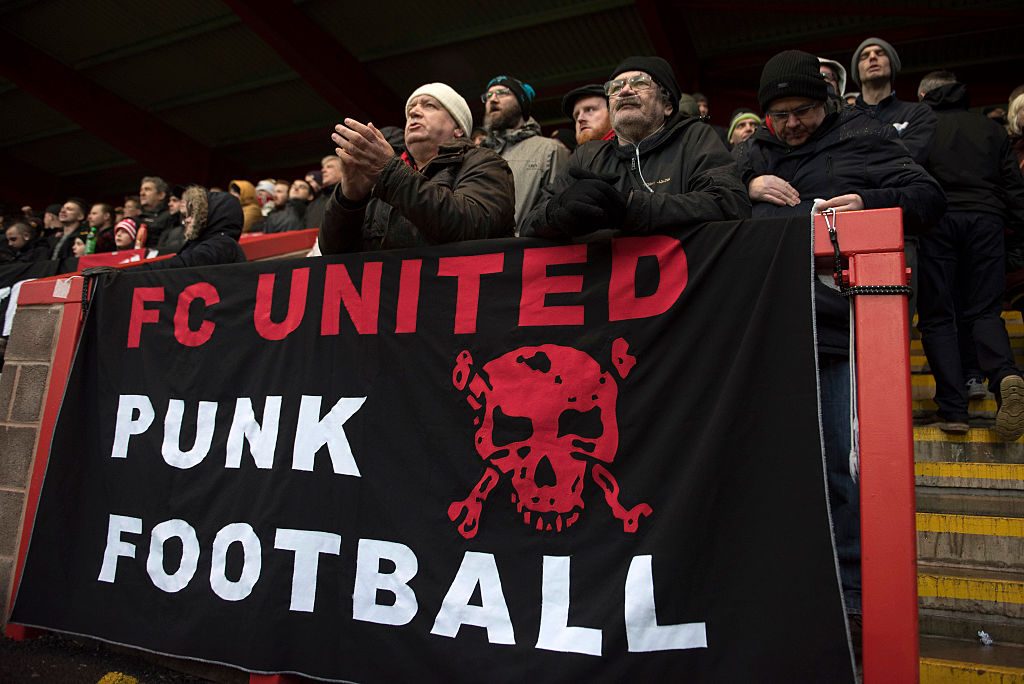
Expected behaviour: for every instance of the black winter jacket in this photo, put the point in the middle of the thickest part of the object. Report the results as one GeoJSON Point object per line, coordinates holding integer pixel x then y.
{"type": "Point", "coordinates": [972, 158]}
{"type": "Point", "coordinates": [464, 193]}
{"type": "Point", "coordinates": [37, 250]}
{"type": "Point", "coordinates": [217, 242]}
{"type": "Point", "coordinates": [913, 122]}
{"type": "Point", "coordinates": [292, 216]}
{"type": "Point", "coordinates": [682, 176]}
{"type": "Point", "coordinates": [849, 153]}
{"type": "Point", "coordinates": [157, 221]}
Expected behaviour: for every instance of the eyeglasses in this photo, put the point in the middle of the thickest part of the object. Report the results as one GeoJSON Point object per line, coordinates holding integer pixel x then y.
{"type": "Point", "coordinates": [635, 83]}
{"type": "Point", "coordinates": [799, 112]}
{"type": "Point", "coordinates": [497, 92]}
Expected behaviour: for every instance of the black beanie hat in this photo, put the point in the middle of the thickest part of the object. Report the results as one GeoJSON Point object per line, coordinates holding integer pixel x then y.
{"type": "Point", "coordinates": [573, 96]}
{"type": "Point", "coordinates": [791, 74]}
{"type": "Point", "coordinates": [524, 92]}
{"type": "Point", "coordinates": [656, 68]}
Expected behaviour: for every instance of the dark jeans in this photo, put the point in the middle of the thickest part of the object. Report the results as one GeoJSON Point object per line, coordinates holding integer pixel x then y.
{"type": "Point", "coordinates": [843, 491]}
{"type": "Point", "coordinates": [962, 280]}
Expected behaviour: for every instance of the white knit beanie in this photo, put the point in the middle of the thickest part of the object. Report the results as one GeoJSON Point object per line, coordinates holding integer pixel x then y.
{"type": "Point", "coordinates": [454, 103]}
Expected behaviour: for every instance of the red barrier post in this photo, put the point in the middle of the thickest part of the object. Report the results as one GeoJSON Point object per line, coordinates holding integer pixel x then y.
{"type": "Point", "coordinates": [872, 241]}
{"type": "Point", "coordinates": [42, 292]}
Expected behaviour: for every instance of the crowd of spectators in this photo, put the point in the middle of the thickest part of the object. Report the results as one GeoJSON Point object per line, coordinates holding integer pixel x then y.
{"type": "Point", "coordinates": [645, 157]}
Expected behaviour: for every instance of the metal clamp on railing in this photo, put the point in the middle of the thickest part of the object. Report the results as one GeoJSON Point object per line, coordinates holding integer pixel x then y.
{"type": "Point", "coordinates": [845, 290]}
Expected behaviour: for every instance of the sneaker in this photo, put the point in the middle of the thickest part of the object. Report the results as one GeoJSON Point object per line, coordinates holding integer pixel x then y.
{"type": "Point", "coordinates": [1010, 416]}
{"type": "Point", "coordinates": [952, 427]}
{"type": "Point", "coordinates": [976, 388]}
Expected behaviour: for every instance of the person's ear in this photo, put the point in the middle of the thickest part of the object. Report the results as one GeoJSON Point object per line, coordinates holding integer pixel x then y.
{"type": "Point", "coordinates": [459, 133]}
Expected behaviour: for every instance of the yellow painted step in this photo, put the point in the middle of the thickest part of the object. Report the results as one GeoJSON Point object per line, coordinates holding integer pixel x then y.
{"type": "Point", "coordinates": [976, 435]}
{"type": "Point", "coordinates": [936, 671]}
{"type": "Point", "coordinates": [958, 588]}
{"type": "Point", "coordinates": [970, 524]}
{"type": "Point", "coordinates": [1009, 472]}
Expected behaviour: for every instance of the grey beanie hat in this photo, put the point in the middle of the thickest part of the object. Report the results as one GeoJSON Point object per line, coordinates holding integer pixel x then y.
{"type": "Point", "coordinates": [894, 58]}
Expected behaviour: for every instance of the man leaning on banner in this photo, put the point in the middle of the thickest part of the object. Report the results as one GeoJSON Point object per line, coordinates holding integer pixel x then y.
{"type": "Point", "coordinates": [660, 171]}
{"type": "Point", "coordinates": [810, 149]}
{"type": "Point", "coordinates": [442, 189]}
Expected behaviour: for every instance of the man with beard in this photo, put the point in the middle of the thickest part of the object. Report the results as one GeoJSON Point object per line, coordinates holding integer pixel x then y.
{"type": "Point", "coordinates": [874, 66]}
{"type": "Point", "coordinates": [535, 160]}
{"type": "Point", "coordinates": [662, 170]}
{"type": "Point", "coordinates": [587, 106]}
{"type": "Point", "coordinates": [441, 189]}
{"type": "Point", "coordinates": [810, 148]}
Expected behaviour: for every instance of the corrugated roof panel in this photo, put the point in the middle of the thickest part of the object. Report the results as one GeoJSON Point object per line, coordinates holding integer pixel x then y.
{"type": "Point", "coordinates": [222, 121]}
{"type": "Point", "coordinates": [411, 24]}
{"type": "Point", "coordinates": [23, 117]}
{"type": "Point", "coordinates": [68, 153]}
{"type": "Point", "coordinates": [205, 64]}
{"type": "Point", "coordinates": [76, 30]}
{"type": "Point", "coordinates": [549, 53]}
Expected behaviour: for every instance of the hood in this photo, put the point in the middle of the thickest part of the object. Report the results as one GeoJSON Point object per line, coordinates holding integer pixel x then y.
{"type": "Point", "coordinates": [215, 213]}
{"type": "Point", "coordinates": [246, 191]}
{"type": "Point", "coordinates": [840, 71]}
{"type": "Point", "coordinates": [949, 96]}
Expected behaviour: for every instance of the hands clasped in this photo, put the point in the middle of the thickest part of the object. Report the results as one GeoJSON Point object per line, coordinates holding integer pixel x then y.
{"type": "Point", "coordinates": [591, 203]}
{"type": "Point", "coordinates": [364, 152]}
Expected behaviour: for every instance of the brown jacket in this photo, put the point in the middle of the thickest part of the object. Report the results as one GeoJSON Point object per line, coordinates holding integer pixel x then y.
{"type": "Point", "coordinates": [464, 193]}
{"type": "Point", "coordinates": [250, 206]}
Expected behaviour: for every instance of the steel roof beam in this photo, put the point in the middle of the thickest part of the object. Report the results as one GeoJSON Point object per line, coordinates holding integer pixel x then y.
{"type": "Point", "coordinates": [679, 50]}
{"type": "Point", "coordinates": [331, 70]}
{"type": "Point", "coordinates": [123, 125]}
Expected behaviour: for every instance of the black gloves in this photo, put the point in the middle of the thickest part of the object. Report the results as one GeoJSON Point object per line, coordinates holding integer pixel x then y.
{"type": "Point", "coordinates": [591, 203]}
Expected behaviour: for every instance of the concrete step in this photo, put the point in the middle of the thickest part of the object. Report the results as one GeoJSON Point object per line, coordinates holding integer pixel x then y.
{"type": "Point", "coordinates": [980, 445]}
{"type": "Point", "coordinates": [979, 409]}
{"type": "Point", "coordinates": [951, 661]}
{"type": "Point", "coordinates": [970, 501]}
{"type": "Point", "coordinates": [971, 541]}
{"type": "Point", "coordinates": [948, 624]}
{"type": "Point", "coordinates": [970, 591]}
{"type": "Point", "coordinates": [919, 362]}
{"type": "Point", "coordinates": [922, 386]}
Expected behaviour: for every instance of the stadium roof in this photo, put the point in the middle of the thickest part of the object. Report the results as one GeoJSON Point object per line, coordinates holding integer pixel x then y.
{"type": "Point", "coordinates": [94, 95]}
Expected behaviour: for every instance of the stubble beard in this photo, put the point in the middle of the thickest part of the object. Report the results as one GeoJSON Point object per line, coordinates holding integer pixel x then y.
{"type": "Point", "coordinates": [498, 120]}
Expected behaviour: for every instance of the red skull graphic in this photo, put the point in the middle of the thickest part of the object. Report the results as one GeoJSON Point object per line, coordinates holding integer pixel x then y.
{"type": "Point", "coordinates": [546, 415]}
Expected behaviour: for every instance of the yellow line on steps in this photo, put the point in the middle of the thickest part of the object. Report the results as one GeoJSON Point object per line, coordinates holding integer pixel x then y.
{"type": "Point", "coordinates": [970, 588]}
{"type": "Point", "coordinates": [936, 671]}
{"type": "Point", "coordinates": [970, 471]}
{"type": "Point", "coordinates": [970, 524]}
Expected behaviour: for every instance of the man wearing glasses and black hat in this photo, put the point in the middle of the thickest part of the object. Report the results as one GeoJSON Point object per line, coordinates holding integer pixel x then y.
{"type": "Point", "coordinates": [662, 170]}
{"type": "Point", "coordinates": [811, 149]}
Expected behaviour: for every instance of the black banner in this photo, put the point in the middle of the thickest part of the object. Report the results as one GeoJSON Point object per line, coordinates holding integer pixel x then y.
{"type": "Point", "coordinates": [11, 276]}
{"type": "Point", "coordinates": [502, 460]}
